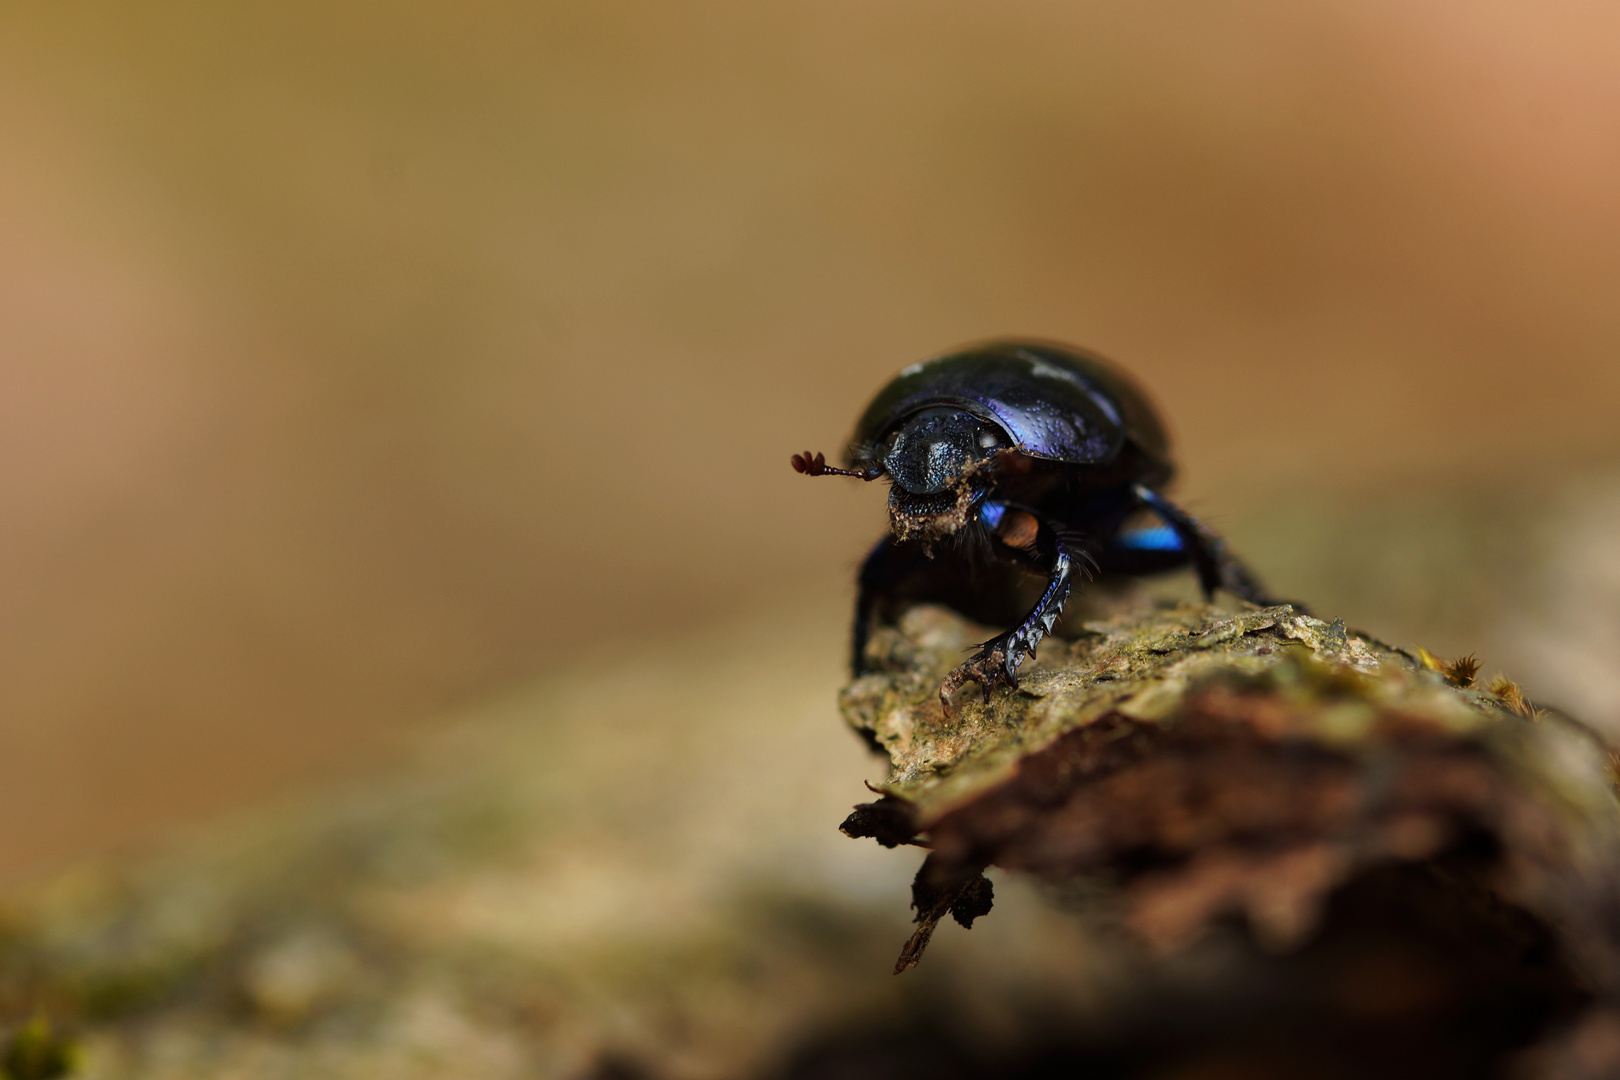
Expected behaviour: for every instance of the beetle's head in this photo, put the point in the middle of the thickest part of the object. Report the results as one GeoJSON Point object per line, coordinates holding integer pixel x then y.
{"type": "Point", "coordinates": [939, 461]}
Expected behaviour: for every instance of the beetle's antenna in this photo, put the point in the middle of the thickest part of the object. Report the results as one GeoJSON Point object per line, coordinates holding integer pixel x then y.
{"type": "Point", "coordinates": [816, 465]}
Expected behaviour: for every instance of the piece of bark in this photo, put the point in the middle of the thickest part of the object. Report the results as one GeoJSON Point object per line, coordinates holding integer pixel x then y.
{"type": "Point", "coordinates": [1195, 767]}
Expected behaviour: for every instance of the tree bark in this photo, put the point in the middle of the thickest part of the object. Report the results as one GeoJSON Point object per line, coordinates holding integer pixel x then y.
{"type": "Point", "coordinates": [1412, 855]}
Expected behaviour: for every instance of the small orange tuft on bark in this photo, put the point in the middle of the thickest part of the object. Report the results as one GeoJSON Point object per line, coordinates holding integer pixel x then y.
{"type": "Point", "coordinates": [1462, 670]}
{"type": "Point", "coordinates": [1510, 694]}
{"type": "Point", "coordinates": [1459, 672]}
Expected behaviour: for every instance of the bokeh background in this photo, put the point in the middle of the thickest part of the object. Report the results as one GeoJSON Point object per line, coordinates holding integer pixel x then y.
{"type": "Point", "coordinates": [358, 360]}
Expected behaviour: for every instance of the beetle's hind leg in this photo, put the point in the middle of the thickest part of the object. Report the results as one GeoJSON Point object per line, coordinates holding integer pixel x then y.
{"type": "Point", "coordinates": [1192, 541]}
{"type": "Point", "coordinates": [997, 661]}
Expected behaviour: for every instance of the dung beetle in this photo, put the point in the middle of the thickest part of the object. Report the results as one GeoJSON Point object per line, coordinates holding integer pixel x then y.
{"type": "Point", "coordinates": [1009, 457]}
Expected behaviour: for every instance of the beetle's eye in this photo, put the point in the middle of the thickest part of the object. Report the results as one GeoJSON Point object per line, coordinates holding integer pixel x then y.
{"type": "Point", "coordinates": [988, 440]}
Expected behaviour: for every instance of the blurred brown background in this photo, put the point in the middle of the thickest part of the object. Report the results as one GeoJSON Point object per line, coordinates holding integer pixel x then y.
{"type": "Point", "coordinates": [357, 359]}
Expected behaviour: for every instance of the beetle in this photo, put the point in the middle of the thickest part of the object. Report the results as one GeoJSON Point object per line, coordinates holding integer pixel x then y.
{"type": "Point", "coordinates": [1009, 457]}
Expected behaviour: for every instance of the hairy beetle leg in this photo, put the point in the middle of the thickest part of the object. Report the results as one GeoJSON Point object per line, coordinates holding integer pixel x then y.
{"type": "Point", "coordinates": [998, 659]}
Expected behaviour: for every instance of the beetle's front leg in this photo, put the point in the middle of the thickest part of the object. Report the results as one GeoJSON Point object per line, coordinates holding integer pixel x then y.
{"type": "Point", "coordinates": [997, 660]}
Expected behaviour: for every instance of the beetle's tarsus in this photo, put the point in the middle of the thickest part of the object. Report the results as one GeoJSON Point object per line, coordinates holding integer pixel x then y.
{"type": "Point", "coordinates": [993, 665]}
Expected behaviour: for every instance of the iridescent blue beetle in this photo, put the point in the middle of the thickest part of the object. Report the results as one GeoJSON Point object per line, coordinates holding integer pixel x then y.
{"type": "Point", "coordinates": [1009, 457]}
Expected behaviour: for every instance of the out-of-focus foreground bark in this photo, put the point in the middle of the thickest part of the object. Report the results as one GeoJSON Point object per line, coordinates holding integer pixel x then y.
{"type": "Point", "coordinates": [1260, 845]}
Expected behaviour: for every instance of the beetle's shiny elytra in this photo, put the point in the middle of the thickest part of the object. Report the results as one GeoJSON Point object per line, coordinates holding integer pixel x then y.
{"type": "Point", "coordinates": [1016, 454]}
{"type": "Point", "coordinates": [1052, 401]}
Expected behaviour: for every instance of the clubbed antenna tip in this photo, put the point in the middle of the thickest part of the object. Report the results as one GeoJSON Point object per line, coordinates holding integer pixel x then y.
{"type": "Point", "coordinates": [816, 465]}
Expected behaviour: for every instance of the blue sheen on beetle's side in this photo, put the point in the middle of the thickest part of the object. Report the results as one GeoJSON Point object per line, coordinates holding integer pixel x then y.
{"type": "Point", "coordinates": [991, 513]}
{"type": "Point", "coordinates": [1156, 538]}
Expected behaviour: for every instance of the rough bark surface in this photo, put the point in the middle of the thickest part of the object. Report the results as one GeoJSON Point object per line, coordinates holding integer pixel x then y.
{"type": "Point", "coordinates": [1189, 768]}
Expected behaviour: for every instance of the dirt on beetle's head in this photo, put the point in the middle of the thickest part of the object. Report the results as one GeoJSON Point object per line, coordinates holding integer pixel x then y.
{"type": "Point", "coordinates": [938, 460]}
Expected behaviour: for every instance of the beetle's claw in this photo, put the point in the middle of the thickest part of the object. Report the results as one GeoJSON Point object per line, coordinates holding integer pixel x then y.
{"type": "Point", "coordinates": [995, 664]}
